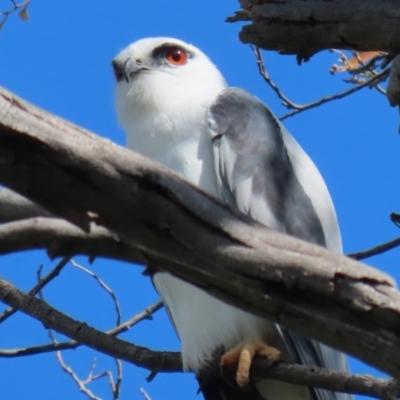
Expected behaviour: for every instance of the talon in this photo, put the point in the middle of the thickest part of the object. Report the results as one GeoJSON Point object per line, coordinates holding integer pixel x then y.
{"type": "Point", "coordinates": [242, 356]}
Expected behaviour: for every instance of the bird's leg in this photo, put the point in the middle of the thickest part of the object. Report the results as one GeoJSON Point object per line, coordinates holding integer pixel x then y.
{"type": "Point", "coordinates": [242, 356]}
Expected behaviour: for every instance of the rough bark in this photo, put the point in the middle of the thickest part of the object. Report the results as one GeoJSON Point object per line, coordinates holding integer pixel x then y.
{"type": "Point", "coordinates": [157, 361]}
{"type": "Point", "coordinates": [61, 238]}
{"type": "Point", "coordinates": [14, 207]}
{"type": "Point", "coordinates": [81, 332]}
{"type": "Point", "coordinates": [304, 27]}
{"type": "Point", "coordinates": [178, 228]}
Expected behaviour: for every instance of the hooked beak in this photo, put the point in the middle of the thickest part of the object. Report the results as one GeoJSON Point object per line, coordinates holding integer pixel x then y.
{"type": "Point", "coordinates": [128, 69]}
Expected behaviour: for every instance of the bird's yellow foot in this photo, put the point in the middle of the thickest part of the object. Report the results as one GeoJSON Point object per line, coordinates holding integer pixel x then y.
{"type": "Point", "coordinates": [242, 356]}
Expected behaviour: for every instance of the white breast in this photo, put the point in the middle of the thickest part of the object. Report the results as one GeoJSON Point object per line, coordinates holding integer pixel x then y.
{"type": "Point", "coordinates": [205, 323]}
{"type": "Point", "coordinates": [202, 322]}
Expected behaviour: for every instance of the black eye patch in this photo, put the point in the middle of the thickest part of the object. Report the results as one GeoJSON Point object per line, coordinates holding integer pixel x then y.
{"type": "Point", "coordinates": [160, 52]}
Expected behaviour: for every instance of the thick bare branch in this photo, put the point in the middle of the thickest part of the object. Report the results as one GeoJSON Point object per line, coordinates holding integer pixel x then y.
{"type": "Point", "coordinates": [182, 230]}
{"type": "Point", "coordinates": [171, 362]}
{"type": "Point", "coordinates": [14, 207]}
{"type": "Point", "coordinates": [331, 380]}
{"type": "Point", "coordinates": [85, 334]}
{"type": "Point", "coordinates": [61, 238]}
{"type": "Point", "coordinates": [304, 27]}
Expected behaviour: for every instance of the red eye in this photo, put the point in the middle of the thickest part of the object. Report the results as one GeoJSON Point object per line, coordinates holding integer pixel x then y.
{"type": "Point", "coordinates": [176, 56]}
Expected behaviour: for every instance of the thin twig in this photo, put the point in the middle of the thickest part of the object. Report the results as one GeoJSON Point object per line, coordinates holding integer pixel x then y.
{"type": "Point", "coordinates": [117, 385]}
{"type": "Point", "coordinates": [146, 396]}
{"type": "Point", "coordinates": [382, 248]}
{"type": "Point", "coordinates": [104, 286]}
{"type": "Point", "coordinates": [38, 287]}
{"type": "Point", "coordinates": [261, 67]}
{"type": "Point", "coordinates": [65, 367]}
{"type": "Point", "coordinates": [82, 384]}
{"type": "Point", "coordinates": [359, 68]}
{"type": "Point", "coordinates": [368, 66]}
{"type": "Point", "coordinates": [5, 14]}
{"type": "Point", "coordinates": [73, 344]}
{"type": "Point", "coordinates": [327, 99]}
{"type": "Point", "coordinates": [343, 59]}
{"type": "Point", "coordinates": [75, 378]}
{"type": "Point", "coordinates": [300, 108]}
{"type": "Point", "coordinates": [380, 89]}
{"type": "Point", "coordinates": [395, 218]}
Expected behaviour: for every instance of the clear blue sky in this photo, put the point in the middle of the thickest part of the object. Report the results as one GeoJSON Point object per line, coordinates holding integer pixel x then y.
{"type": "Point", "coordinates": [60, 61]}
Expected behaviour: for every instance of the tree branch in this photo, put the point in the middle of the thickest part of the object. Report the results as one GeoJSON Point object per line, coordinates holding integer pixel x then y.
{"type": "Point", "coordinates": [73, 344]}
{"type": "Point", "coordinates": [14, 207]}
{"type": "Point", "coordinates": [337, 381]}
{"type": "Point", "coordinates": [382, 248]}
{"type": "Point", "coordinates": [82, 333]}
{"type": "Point", "coordinates": [38, 287]}
{"type": "Point", "coordinates": [371, 82]}
{"type": "Point", "coordinates": [61, 238]}
{"type": "Point", "coordinates": [170, 361]}
{"type": "Point", "coordinates": [298, 108]}
{"type": "Point", "coordinates": [105, 287]}
{"type": "Point", "coordinates": [15, 6]}
{"type": "Point", "coordinates": [304, 27]}
{"type": "Point", "coordinates": [176, 227]}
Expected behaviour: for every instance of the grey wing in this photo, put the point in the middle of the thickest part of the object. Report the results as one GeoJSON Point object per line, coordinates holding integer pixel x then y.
{"type": "Point", "coordinates": [254, 170]}
{"type": "Point", "coordinates": [263, 171]}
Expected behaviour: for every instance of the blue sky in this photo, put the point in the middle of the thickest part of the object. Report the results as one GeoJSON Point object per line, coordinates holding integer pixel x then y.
{"type": "Point", "coordinates": [60, 61]}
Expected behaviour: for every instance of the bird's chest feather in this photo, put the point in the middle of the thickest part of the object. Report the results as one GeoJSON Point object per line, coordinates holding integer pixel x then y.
{"type": "Point", "coordinates": [203, 323]}
{"type": "Point", "coordinates": [182, 145]}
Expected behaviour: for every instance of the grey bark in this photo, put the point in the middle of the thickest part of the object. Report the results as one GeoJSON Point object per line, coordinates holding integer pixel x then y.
{"type": "Point", "coordinates": [173, 226]}
{"type": "Point", "coordinates": [61, 238]}
{"type": "Point", "coordinates": [157, 361]}
{"type": "Point", "coordinates": [15, 207]}
{"type": "Point", "coordinates": [304, 27]}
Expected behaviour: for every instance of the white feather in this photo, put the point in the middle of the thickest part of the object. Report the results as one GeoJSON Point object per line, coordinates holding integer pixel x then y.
{"type": "Point", "coordinates": [164, 114]}
{"type": "Point", "coordinates": [161, 123]}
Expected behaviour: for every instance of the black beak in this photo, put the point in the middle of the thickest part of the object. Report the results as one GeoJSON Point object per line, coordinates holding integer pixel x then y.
{"type": "Point", "coordinates": [129, 68]}
{"type": "Point", "coordinates": [132, 67]}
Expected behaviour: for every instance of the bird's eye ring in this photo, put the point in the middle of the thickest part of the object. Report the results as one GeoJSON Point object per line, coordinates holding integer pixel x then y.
{"type": "Point", "coordinates": [176, 55]}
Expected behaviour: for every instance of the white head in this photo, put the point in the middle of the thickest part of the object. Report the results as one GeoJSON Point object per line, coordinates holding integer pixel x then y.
{"type": "Point", "coordinates": [166, 78]}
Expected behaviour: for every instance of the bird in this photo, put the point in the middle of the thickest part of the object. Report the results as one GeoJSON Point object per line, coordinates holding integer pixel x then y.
{"type": "Point", "coordinates": [176, 108]}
